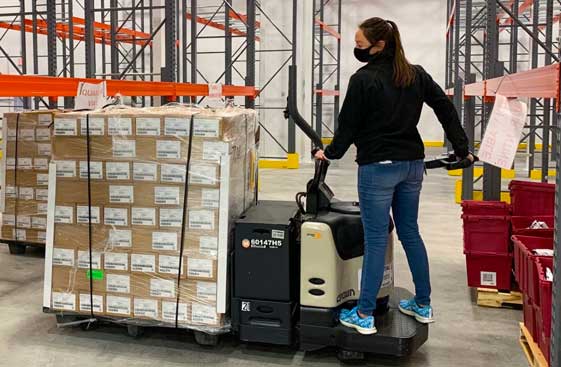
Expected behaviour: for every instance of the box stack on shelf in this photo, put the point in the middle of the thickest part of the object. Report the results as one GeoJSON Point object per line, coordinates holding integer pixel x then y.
{"type": "Point", "coordinates": [25, 165]}
{"type": "Point", "coordinates": [143, 232]}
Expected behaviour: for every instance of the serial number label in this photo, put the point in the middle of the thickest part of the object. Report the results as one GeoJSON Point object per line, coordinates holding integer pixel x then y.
{"type": "Point", "coordinates": [258, 243]}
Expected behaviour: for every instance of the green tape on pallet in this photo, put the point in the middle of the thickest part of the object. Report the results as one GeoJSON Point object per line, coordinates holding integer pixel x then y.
{"type": "Point", "coordinates": [95, 274]}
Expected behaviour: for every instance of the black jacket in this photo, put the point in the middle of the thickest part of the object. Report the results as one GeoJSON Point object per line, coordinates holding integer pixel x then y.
{"type": "Point", "coordinates": [381, 119]}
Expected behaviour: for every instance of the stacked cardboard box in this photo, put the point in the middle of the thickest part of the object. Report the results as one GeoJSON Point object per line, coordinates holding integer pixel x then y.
{"type": "Point", "coordinates": [25, 164]}
{"type": "Point", "coordinates": [134, 197]}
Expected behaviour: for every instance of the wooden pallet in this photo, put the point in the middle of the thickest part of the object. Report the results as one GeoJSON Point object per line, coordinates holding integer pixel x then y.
{"type": "Point", "coordinates": [531, 349]}
{"type": "Point", "coordinates": [494, 298]}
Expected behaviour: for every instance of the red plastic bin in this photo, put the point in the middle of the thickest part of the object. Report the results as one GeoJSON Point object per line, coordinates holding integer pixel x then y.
{"type": "Point", "coordinates": [532, 198]}
{"type": "Point", "coordinates": [485, 234]}
{"type": "Point", "coordinates": [529, 316]}
{"type": "Point", "coordinates": [474, 207]}
{"type": "Point", "coordinates": [546, 294]}
{"type": "Point", "coordinates": [545, 347]}
{"type": "Point", "coordinates": [489, 271]}
{"type": "Point", "coordinates": [523, 257]}
{"type": "Point", "coordinates": [520, 226]}
{"type": "Point", "coordinates": [534, 278]}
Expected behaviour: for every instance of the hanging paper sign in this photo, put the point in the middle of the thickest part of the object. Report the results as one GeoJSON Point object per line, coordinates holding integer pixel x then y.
{"type": "Point", "coordinates": [91, 96]}
{"type": "Point", "coordinates": [215, 90]}
{"type": "Point", "coordinates": [503, 132]}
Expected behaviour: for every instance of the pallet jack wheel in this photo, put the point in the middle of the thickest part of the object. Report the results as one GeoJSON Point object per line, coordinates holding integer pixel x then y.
{"type": "Point", "coordinates": [135, 331]}
{"type": "Point", "coordinates": [16, 249]}
{"type": "Point", "coordinates": [350, 357]}
{"type": "Point", "coordinates": [207, 340]}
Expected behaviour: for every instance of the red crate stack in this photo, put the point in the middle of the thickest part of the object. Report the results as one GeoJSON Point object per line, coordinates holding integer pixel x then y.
{"type": "Point", "coordinates": [543, 311]}
{"type": "Point", "coordinates": [487, 244]}
{"type": "Point", "coordinates": [532, 198]}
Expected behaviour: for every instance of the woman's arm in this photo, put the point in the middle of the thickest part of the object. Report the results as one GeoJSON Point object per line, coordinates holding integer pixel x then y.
{"type": "Point", "coordinates": [349, 118]}
{"type": "Point", "coordinates": [446, 113]}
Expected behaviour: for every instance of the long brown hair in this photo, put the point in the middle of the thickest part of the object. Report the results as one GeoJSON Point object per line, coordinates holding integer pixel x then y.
{"type": "Point", "coordinates": [377, 29]}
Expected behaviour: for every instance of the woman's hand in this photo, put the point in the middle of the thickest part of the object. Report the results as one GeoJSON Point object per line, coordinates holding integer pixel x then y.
{"type": "Point", "coordinates": [470, 157]}
{"type": "Point", "coordinates": [320, 155]}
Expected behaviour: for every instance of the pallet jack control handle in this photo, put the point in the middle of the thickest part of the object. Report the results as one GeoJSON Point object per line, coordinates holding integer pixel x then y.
{"type": "Point", "coordinates": [292, 109]}
{"type": "Point", "coordinates": [451, 162]}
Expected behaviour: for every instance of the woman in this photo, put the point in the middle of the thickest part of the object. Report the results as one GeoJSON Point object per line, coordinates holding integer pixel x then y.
{"type": "Point", "coordinates": [380, 116]}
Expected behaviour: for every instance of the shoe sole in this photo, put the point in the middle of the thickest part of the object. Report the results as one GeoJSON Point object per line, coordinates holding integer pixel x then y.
{"type": "Point", "coordinates": [422, 320]}
{"type": "Point", "coordinates": [361, 330]}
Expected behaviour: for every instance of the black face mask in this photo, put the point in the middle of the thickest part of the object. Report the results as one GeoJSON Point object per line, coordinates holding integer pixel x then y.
{"type": "Point", "coordinates": [363, 54]}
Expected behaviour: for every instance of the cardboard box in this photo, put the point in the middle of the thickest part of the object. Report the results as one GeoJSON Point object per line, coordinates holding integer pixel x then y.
{"type": "Point", "coordinates": [147, 308]}
{"type": "Point", "coordinates": [118, 305]}
{"type": "Point", "coordinates": [73, 279]}
{"type": "Point", "coordinates": [85, 303]}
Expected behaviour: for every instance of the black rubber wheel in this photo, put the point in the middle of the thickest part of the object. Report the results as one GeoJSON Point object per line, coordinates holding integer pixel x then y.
{"type": "Point", "coordinates": [350, 357]}
{"type": "Point", "coordinates": [135, 331]}
{"type": "Point", "coordinates": [207, 340]}
{"type": "Point", "coordinates": [16, 249]}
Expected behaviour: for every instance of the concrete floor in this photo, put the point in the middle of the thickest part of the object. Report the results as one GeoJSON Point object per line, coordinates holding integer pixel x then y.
{"type": "Point", "coordinates": [464, 334]}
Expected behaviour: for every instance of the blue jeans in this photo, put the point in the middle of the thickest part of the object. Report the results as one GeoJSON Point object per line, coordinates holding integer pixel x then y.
{"type": "Point", "coordinates": [395, 185]}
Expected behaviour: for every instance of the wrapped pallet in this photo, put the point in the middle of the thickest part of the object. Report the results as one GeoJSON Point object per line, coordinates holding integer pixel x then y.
{"type": "Point", "coordinates": [25, 165]}
{"type": "Point", "coordinates": [142, 209]}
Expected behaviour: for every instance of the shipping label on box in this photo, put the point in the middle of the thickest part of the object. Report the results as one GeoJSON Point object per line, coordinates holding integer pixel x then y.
{"type": "Point", "coordinates": [19, 234]}
{"type": "Point", "coordinates": [43, 134]}
{"type": "Point", "coordinates": [42, 179]}
{"type": "Point", "coordinates": [168, 149]}
{"type": "Point", "coordinates": [97, 126]}
{"type": "Point", "coordinates": [118, 305]}
{"type": "Point", "coordinates": [12, 134]}
{"type": "Point", "coordinates": [45, 119]}
{"type": "Point", "coordinates": [116, 216]}
{"type": "Point", "coordinates": [84, 260]}
{"type": "Point", "coordinates": [169, 265]}
{"type": "Point", "coordinates": [166, 241]}
{"type": "Point", "coordinates": [143, 216]}
{"type": "Point", "coordinates": [145, 171]}
{"type": "Point", "coordinates": [25, 163]}
{"type": "Point", "coordinates": [26, 135]}
{"type": "Point", "coordinates": [83, 214]}
{"type": "Point", "coordinates": [26, 193]}
{"type": "Point", "coordinates": [23, 221]}
{"type": "Point", "coordinates": [118, 283]}
{"type": "Point", "coordinates": [176, 126]}
{"type": "Point", "coordinates": [201, 219]}
{"type": "Point", "coordinates": [121, 194]}
{"type": "Point", "coordinates": [10, 164]}
{"type": "Point", "coordinates": [145, 307]}
{"type": "Point", "coordinates": [41, 164]}
{"type": "Point", "coordinates": [171, 217]}
{"type": "Point", "coordinates": [64, 301]}
{"type": "Point", "coordinates": [42, 208]}
{"type": "Point", "coordinates": [206, 291]}
{"type": "Point", "coordinates": [42, 195]}
{"type": "Point", "coordinates": [214, 150]}
{"type": "Point", "coordinates": [119, 126]}
{"type": "Point", "coordinates": [162, 288]}
{"type": "Point", "coordinates": [39, 222]}
{"type": "Point", "coordinates": [203, 314]}
{"type": "Point", "coordinates": [116, 261]}
{"type": "Point", "coordinates": [11, 192]}
{"type": "Point", "coordinates": [42, 236]}
{"type": "Point", "coordinates": [63, 257]}
{"type": "Point", "coordinates": [64, 214]}
{"type": "Point", "coordinates": [86, 304]}
{"type": "Point", "coordinates": [206, 128]}
{"type": "Point", "coordinates": [66, 126]}
{"type": "Point", "coordinates": [166, 195]}
{"type": "Point", "coordinates": [203, 174]}
{"type": "Point", "coordinates": [172, 309]}
{"type": "Point", "coordinates": [147, 126]}
{"type": "Point", "coordinates": [44, 149]}
{"type": "Point", "coordinates": [143, 263]}
{"type": "Point", "coordinates": [124, 148]}
{"type": "Point", "coordinates": [8, 219]}
{"type": "Point", "coordinates": [118, 170]}
{"type": "Point", "coordinates": [199, 268]}
{"type": "Point", "coordinates": [96, 170]}
{"type": "Point", "coordinates": [210, 198]}
{"type": "Point", "coordinates": [120, 238]}
{"type": "Point", "coordinates": [173, 173]}
{"type": "Point", "coordinates": [65, 168]}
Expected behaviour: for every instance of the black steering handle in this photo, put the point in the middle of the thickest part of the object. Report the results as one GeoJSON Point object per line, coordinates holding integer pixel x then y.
{"type": "Point", "coordinates": [451, 162]}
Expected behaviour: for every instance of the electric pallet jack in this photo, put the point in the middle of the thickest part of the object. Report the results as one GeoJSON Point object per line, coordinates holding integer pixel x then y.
{"type": "Point", "coordinates": [295, 264]}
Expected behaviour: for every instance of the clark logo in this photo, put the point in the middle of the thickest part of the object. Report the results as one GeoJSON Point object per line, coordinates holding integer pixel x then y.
{"type": "Point", "coordinates": [346, 294]}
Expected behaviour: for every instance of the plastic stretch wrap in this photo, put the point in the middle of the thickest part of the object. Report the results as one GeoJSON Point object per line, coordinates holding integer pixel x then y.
{"type": "Point", "coordinates": [25, 165]}
{"type": "Point", "coordinates": [163, 188]}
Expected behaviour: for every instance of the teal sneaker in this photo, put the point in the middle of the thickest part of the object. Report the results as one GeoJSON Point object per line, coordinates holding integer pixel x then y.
{"type": "Point", "coordinates": [363, 326]}
{"type": "Point", "coordinates": [344, 312]}
{"type": "Point", "coordinates": [422, 314]}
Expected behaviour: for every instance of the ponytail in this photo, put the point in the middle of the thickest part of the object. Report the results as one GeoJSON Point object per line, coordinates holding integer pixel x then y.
{"type": "Point", "coordinates": [378, 29]}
